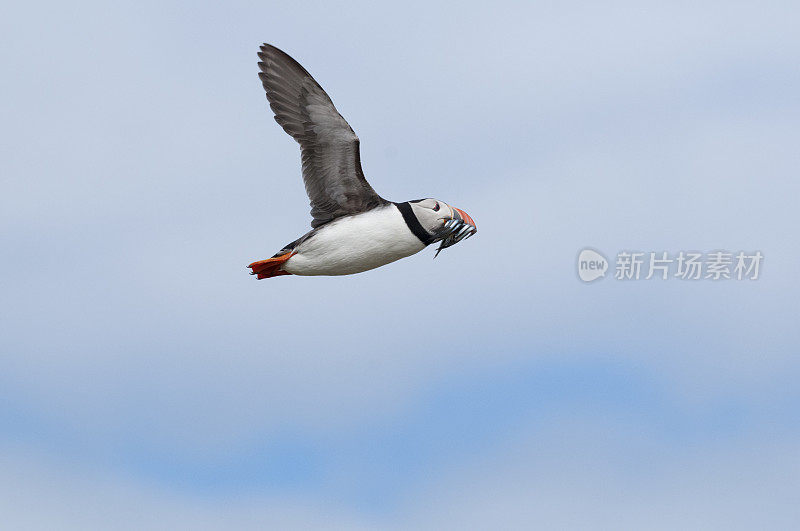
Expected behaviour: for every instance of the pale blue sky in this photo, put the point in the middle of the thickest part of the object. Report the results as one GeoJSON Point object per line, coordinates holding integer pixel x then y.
{"type": "Point", "coordinates": [147, 381]}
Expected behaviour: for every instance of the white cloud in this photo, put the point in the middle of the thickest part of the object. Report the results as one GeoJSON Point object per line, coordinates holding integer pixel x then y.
{"type": "Point", "coordinates": [40, 493]}
{"type": "Point", "coordinates": [571, 472]}
{"type": "Point", "coordinates": [599, 473]}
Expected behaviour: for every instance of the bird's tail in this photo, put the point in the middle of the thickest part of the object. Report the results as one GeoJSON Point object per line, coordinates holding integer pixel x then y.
{"type": "Point", "coordinates": [271, 267]}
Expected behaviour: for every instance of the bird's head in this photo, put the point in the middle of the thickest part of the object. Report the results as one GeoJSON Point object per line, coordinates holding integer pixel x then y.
{"type": "Point", "coordinates": [443, 222]}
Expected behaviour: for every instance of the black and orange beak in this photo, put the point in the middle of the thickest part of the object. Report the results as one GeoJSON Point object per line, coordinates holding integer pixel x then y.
{"type": "Point", "coordinates": [465, 218]}
{"type": "Point", "coordinates": [459, 227]}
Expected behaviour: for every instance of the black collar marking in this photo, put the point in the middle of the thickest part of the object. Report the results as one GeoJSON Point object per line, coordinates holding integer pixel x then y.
{"type": "Point", "coordinates": [413, 223]}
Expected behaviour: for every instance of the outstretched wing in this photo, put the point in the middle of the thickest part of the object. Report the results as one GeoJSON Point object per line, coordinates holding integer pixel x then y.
{"type": "Point", "coordinates": [332, 171]}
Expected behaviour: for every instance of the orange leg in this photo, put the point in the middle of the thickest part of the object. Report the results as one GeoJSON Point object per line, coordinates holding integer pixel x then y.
{"type": "Point", "coordinates": [271, 267]}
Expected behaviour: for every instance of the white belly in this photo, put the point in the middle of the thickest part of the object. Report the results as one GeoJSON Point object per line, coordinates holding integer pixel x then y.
{"type": "Point", "coordinates": [354, 244]}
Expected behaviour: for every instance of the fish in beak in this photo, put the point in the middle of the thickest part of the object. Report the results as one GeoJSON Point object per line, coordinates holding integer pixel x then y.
{"type": "Point", "coordinates": [459, 226]}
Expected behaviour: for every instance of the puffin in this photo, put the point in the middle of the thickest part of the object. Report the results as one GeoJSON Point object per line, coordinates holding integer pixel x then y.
{"type": "Point", "coordinates": [353, 229]}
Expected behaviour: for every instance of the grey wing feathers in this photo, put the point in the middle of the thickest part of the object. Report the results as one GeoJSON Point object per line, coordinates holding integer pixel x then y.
{"type": "Point", "coordinates": [332, 171]}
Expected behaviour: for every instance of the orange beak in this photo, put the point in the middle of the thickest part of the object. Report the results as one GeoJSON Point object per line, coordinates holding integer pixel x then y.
{"type": "Point", "coordinates": [465, 218]}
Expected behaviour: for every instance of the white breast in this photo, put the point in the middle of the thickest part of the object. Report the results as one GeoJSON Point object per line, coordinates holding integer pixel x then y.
{"type": "Point", "coordinates": [354, 244]}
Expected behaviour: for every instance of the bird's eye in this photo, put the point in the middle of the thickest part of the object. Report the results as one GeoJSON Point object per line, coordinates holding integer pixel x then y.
{"type": "Point", "coordinates": [436, 208]}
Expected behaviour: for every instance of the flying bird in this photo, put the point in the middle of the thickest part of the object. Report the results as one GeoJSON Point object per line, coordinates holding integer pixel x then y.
{"type": "Point", "coordinates": [353, 228]}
